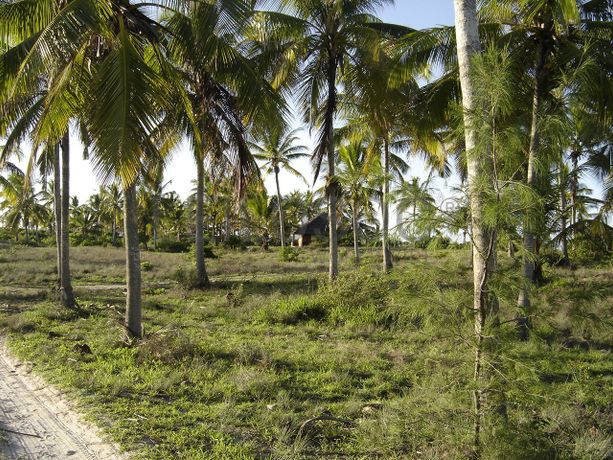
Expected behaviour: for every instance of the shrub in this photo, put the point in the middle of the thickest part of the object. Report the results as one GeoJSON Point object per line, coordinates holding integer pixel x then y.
{"type": "Point", "coordinates": [353, 298]}
{"type": "Point", "coordinates": [294, 311]}
{"type": "Point", "coordinates": [289, 254]}
{"type": "Point", "coordinates": [173, 246]}
{"type": "Point", "coordinates": [234, 242]}
{"type": "Point", "coordinates": [166, 346]}
{"type": "Point", "coordinates": [146, 266]}
{"type": "Point", "coordinates": [186, 277]}
{"type": "Point", "coordinates": [438, 242]}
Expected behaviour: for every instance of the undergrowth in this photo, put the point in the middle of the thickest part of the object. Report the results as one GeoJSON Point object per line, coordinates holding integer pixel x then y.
{"type": "Point", "coordinates": [237, 372]}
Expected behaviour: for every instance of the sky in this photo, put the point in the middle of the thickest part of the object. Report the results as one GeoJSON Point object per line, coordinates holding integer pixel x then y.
{"type": "Point", "coordinates": [181, 169]}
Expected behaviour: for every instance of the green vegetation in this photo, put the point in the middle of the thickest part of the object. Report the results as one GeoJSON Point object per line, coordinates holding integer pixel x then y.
{"type": "Point", "coordinates": [418, 345]}
{"type": "Point", "coordinates": [235, 371]}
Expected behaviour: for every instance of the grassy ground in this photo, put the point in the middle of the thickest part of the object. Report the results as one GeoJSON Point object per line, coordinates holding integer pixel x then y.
{"type": "Point", "coordinates": [241, 371]}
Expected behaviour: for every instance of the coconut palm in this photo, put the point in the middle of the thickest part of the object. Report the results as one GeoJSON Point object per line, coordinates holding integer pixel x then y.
{"type": "Point", "coordinates": [112, 202]}
{"type": "Point", "coordinates": [414, 196]}
{"type": "Point", "coordinates": [29, 109]}
{"type": "Point", "coordinates": [20, 205]}
{"type": "Point", "coordinates": [555, 35]}
{"type": "Point", "coordinates": [224, 93]}
{"type": "Point", "coordinates": [479, 172]}
{"type": "Point", "coordinates": [316, 45]}
{"type": "Point", "coordinates": [357, 173]}
{"type": "Point", "coordinates": [104, 66]}
{"type": "Point", "coordinates": [277, 150]}
{"type": "Point", "coordinates": [260, 210]}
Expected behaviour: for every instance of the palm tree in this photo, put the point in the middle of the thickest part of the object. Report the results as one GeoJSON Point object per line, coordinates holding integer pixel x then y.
{"type": "Point", "coordinates": [29, 108]}
{"type": "Point", "coordinates": [260, 210]}
{"type": "Point", "coordinates": [224, 93]}
{"type": "Point", "coordinates": [317, 45]}
{"type": "Point", "coordinates": [479, 172]}
{"type": "Point", "coordinates": [20, 204]}
{"type": "Point", "coordinates": [175, 213]}
{"type": "Point", "coordinates": [556, 35]}
{"type": "Point", "coordinates": [277, 150]}
{"type": "Point", "coordinates": [357, 172]}
{"type": "Point", "coordinates": [112, 202]}
{"type": "Point", "coordinates": [414, 196]}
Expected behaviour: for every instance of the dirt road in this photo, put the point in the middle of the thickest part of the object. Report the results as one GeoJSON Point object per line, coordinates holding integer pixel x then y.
{"type": "Point", "coordinates": [37, 422]}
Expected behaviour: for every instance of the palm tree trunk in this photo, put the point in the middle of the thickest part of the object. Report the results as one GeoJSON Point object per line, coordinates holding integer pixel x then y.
{"type": "Point", "coordinates": [227, 221]}
{"type": "Point", "coordinates": [563, 205]}
{"type": "Point", "coordinates": [26, 225]}
{"type": "Point", "coordinates": [574, 185]}
{"type": "Point", "coordinates": [68, 299]}
{"type": "Point", "coordinates": [387, 253]}
{"type": "Point", "coordinates": [356, 246]}
{"type": "Point", "coordinates": [114, 227]}
{"type": "Point", "coordinates": [156, 221]}
{"type": "Point", "coordinates": [202, 279]}
{"type": "Point", "coordinates": [133, 322]}
{"type": "Point", "coordinates": [57, 209]}
{"type": "Point", "coordinates": [280, 206]}
{"type": "Point", "coordinates": [479, 170]}
{"type": "Point", "coordinates": [529, 267]}
{"type": "Point", "coordinates": [331, 189]}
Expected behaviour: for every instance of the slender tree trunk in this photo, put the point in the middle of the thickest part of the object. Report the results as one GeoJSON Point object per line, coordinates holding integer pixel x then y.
{"type": "Point", "coordinates": [574, 185]}
{"type": "Point", "coordinates": [523, 299]}
{"type": "Point", "coordinates": [387, 253]}
{"type": "Point", "coordinates": [68, 299]}
{"type": "Point", "coordinates": [26, 225]}
{"type": "Point", "coordinates": [202, 279]}
{"type": "Point", "coordinates": [332, 188]}
{"type": "Point", "coordinates": [356, 243]}
{"type": "Point", "coordinates": [479, 172]}
{"type": "Point", "coordinates": [133, 322]}
{"type": "Point", "coordinates": [57, 209]}
{"type": "Point", "coordinates": [280, 206]}
{"type": "Point", "coordinates": [156, 221]}
{"type": "Point", "coordinates": [114, 227]}
{"type": "Point", "coordinates": [563, 205]}
{"type": "Point", "coordinates": [228, 211]}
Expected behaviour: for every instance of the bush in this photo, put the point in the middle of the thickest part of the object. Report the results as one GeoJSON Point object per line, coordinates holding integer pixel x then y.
{"type": "Point", "coordinates": [585, 248]}
{"type": "Point", "coordinates": [146, 266]}
{"type": "Point", "coordinates": [353, 298]}
{"type": "Point", "coordinates": [186, 277]}
{"type": "Point", "coordinates": [234, 242]}
{"type": "Point", "coordinates": [173, 246]}
{"type": "Point", "coordinates": [438, 242]}
{"type": "Point", "coordinates": [294, 311]}
{"type": "Point", "coordinates": [289, 254]}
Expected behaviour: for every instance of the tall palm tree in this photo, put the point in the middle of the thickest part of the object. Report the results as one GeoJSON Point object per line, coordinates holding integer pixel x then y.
{"type": "Point", "coordinates": [414, 196]}
{"type": "Point", "coordinates": [316, 46]}
{"type": "Point", "coordinates": [556, 35]}
{"type": "Point", "coordinates": [224, 93]}
{"type": "Point", "coordinates": [29, 108]}
{"type": "Point", "coordinates": [479, 172]}
{"type": "Point", "coordinates": [357, 173]}
{"type": "Point", "coordinates": [112, 202]}
{"type": "Point", "coordinates": [20, 204]}
{"type": "Point", "coordinates": [260, 211]}
{"type": "Point", "coordinates": [277, 150]}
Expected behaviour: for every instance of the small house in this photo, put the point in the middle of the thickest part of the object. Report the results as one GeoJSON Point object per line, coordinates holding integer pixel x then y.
{"type": "Point", "coordinates": [316, 227]}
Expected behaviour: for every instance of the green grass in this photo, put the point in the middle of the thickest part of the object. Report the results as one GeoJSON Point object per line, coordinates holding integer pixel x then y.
{"type": "Point", "coordinates": [233, 373]}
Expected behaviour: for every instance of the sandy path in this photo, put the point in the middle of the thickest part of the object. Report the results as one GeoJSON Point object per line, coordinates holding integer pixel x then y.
{"type": "Point", "coordinates": [49, 427]}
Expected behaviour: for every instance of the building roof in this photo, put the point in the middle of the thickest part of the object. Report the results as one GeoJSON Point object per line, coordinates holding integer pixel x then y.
{"type": "Point", "coordinates": [317, 226]}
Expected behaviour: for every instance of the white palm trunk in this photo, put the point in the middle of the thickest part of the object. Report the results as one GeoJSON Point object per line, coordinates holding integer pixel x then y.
{"type": "Point", "coordinates": [479, 172]}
